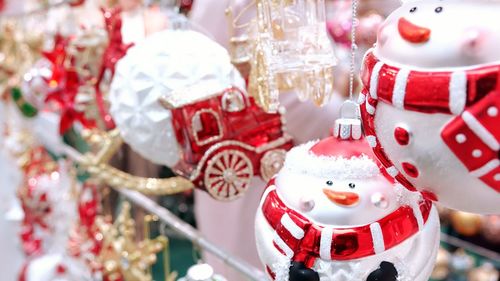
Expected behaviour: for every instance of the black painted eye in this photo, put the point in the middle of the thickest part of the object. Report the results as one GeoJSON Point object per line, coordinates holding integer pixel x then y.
{"type": "Point", "coordinates": [352, 185]}
{"type": "Point", "coordinates": [413, 10]}
{"type": "Point", "coordinates": [438, 9]}
{"type": "Point", "coordinates": [330, 183]}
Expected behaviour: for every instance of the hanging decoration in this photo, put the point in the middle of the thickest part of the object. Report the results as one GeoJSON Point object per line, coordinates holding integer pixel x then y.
{"type": "Point", "coordinates": [431, 116]}
{"type": "Point", "coordinates": [121, 256]}
{"type": "Point", "coordinates": [289, 50]}
{"type": "Point", "coordinates": [140, 82]}
{"type": "Point", "coordinates": [226, 140]}
{"type": "Point", "coordinates": [329, 215]}
{"type": "Point", "coordinates": [196, 120]}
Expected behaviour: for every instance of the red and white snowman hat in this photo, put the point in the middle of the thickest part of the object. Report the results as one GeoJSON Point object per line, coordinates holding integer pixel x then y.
{"type": "Point", "coordinates": [332, 157]}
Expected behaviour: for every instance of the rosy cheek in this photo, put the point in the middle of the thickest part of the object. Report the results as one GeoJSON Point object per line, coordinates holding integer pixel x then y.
{"type": "Point", "coordinates": [473, 40]}
{"type": "Point", "coordinates": [306, 204]}
{"type": "Point", "coordinates": [379, 200]}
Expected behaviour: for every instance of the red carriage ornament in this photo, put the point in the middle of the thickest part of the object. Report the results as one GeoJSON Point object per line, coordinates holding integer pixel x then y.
{"type": "Point", "coordinates": [225, 139]}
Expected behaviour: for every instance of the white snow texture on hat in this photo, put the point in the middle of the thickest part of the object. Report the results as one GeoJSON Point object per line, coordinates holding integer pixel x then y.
{"type": "Point", "coordinates": [301, 160]}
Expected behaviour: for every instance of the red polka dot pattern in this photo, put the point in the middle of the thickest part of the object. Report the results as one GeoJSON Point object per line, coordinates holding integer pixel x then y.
{"type": "Point", "coordinates": [410, 169]}
{"type": "Point", "coordinates": [402, 136]}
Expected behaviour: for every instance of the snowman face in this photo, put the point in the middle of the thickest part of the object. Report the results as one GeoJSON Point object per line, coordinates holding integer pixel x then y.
{"type": "Point", "coordinates": [441, 34]}
{"type": "Point", "coordinates": [330, 201]}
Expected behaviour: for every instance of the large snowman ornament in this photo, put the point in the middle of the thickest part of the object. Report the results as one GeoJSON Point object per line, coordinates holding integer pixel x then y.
{"type": "Point", "coordinates": [431, 101]}
{"type": "Point", "coordinates": [330, 215]}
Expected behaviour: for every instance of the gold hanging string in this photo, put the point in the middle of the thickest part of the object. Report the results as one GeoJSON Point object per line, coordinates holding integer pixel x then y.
{"type": "Point", "coordinates": [354, 47]}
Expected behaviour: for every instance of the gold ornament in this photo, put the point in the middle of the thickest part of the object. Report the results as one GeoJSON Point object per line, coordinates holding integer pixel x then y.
{"type": "Point", "coordinates": [19, 49]}
{"type": "Point", "coordinates": [491, 228]}
{"type": "Point", "coordinates": [466, 224]}
{"type": "Point", "coordinates": [121, 256]}
{"type": "Point", "coordinates": [486, 272]}
{"type": "Point", "coordinates": [97, 165]}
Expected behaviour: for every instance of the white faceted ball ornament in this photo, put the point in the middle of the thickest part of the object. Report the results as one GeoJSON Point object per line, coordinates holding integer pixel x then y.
{"type": "Point", "coordinates": [171, 61]}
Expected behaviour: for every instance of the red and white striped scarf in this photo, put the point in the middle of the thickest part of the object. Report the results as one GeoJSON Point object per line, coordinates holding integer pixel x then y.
{"type": "Point", "coordinates": [472, 95]}
{"type": "Point", "coordinates": [447, 92]}
{"type": "Point", "coordinates": [304, 241]}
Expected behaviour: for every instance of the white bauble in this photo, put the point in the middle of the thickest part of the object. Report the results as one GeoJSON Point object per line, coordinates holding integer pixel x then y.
{"type": "Point", "coordinates": [168, 61]}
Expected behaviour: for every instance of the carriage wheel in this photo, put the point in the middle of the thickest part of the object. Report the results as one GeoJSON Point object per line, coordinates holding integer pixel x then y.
{"type": "Point", "coordinates": [228, 175]}
{"type": "Point", "coordinates": [271, 163]}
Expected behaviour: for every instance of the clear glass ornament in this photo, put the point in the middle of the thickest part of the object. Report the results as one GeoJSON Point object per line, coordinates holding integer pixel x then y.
{"type": "Point", "coordinates": [292, 45]}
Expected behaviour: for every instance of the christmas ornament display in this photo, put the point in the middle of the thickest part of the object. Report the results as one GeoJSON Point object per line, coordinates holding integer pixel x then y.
{"type": "Point", "coordinates": [330, 214]}
{"type": "Point", "coordinates": [431, 99]}
{"type": "Point", "coordinates": [156, 67]}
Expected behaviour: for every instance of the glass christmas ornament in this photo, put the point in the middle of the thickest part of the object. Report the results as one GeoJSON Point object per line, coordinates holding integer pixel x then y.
{"type": "Point", "coordinates": [431, 98]}
{"type": "Point", "coordinates": [146, 73]}
{"type": "Point", "coordinates": [225, 139]}
{"type": "Point", "coordinates": [291, 43]}
{"type": "Point", "coordinates": [330, 214]}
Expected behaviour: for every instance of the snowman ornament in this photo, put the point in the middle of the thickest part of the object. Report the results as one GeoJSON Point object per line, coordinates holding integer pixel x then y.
{"type": "Point", "coordinates": [431, 100]}
{"type": "Point", "coordinates": [330, 215]}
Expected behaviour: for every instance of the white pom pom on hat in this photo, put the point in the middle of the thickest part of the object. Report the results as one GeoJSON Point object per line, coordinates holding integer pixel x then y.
{"type": "Point", "coordinates": [333, 158]}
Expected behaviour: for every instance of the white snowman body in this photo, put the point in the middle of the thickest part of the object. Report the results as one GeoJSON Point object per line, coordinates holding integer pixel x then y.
{"type": "Point", "coordinates": [304, 188]}
{"type": "Point", "coordinates": [455, 37]}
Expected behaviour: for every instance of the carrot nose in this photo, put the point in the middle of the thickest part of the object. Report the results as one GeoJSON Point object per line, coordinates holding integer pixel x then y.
{"type": "Point", "coordinates": [412, 32]}
{"type": "Point", "coordinates": [347, 199]}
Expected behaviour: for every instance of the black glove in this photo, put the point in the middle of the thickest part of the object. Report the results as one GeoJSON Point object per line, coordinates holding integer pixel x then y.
{"type": "Point", "coordinates": [385, 272]}
{"type": "Point", "coordinates": [299, 272]}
